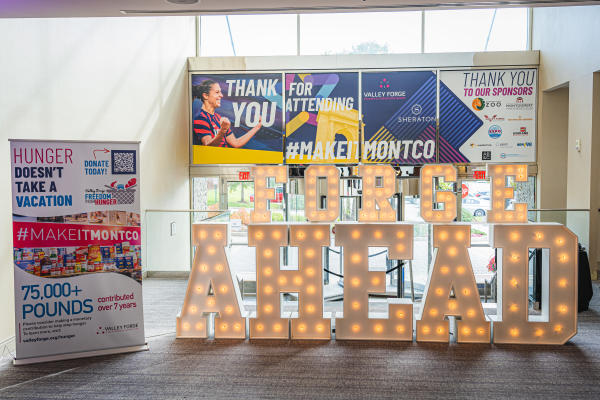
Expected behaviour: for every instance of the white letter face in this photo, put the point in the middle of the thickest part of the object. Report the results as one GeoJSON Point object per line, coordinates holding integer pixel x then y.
{"type": "Point", "coordinates": [501, 193]}
{"type": "Point", "coordinates": [451, 291]}
{"type": "Point", "coordinates": [359, 282]}
{"type": "Point", "coordinates": [211, 288]}
{"type": "Point", "coordinates": [268, 323]}
{"type": "Point", "coordinates": [374, 194]}
{"type": "Point", "coordinates": [559, 284]}
{"type": "Point", "coordinates": [311, 175]}
{"type": "Point", "coordinates": [448, 214]}
{"type": "Point", "coordinates": [262, 193]}
{"type": "Point", "coordinates": [306, 281]}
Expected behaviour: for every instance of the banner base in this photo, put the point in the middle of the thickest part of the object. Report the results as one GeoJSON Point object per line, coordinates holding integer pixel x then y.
{"type": "Point", "coordinates": [68, 356]}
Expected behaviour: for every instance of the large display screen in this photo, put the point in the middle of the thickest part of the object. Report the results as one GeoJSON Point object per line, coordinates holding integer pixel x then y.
{"type": "Point", "coordinates": [396, 117]}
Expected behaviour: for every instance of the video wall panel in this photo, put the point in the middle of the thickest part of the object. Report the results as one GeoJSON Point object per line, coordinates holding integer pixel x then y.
{"type": "Point", "coordinates": [396, 117]}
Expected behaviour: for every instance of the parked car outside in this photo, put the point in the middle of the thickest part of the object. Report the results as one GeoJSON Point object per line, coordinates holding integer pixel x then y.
{"type": "Point", "coordinates": [477, 206]}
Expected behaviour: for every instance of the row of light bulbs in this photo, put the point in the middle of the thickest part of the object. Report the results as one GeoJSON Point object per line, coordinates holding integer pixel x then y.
{"type": "Point", "coordinates": [376, 206]}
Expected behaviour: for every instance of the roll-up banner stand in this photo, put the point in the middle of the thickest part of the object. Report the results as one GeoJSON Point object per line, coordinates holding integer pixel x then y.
{"type": "Point", "coordinates": [77, 249]}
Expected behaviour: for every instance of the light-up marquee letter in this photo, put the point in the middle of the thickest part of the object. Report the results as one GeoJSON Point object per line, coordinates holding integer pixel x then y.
{"type": "Point", "coordinates": [359, 281]}
{"type": "Point", "coordinates": [306, 281]}
{"type": "Point", "coordinates": [501, 193]}
{"type": "Point", "coordinates": [211, 289]}
{"type": "Point", "coordinates": [378, 185]}
{"type": "Point", "coordinates": [559, 284]}
{"type": "Point", "coordinates": [313, 175]}
{"type": "Point", "coordinates": [451, 291]}
{"type": "Point", "coordinates": [262, 193]}
{"type": "Point", "coordinates": [428, 173]}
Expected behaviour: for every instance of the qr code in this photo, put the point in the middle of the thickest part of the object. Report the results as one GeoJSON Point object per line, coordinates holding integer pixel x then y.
{"type": "Point", "coordinates": [486, 155]}
{"type": "Point", "coordinates": [123, 162]}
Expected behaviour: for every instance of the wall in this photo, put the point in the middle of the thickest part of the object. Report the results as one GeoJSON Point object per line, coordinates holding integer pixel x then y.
{"type": "Point", "coordinates": [569, 55]}
{"type": "Point", "coordinates": [167, 246]}
{"type": "Point", "coordinates": [97, 79]}
{"type": "Point", "coordinates": [552, 159]}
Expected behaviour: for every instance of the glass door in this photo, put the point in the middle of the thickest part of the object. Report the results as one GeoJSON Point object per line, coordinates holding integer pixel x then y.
{"type": "Point", "coordinates": [205, 197]}
{"type": "Point", "coordinates": [240, 201]}
{"type": "Point", "coordinates": [350, 199]}
{"type": "Point", "coordinates": [475, 205]}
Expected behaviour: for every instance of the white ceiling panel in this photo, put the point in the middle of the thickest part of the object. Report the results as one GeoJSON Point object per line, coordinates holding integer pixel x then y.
{"type": "Point", "coordinates": [115, 8]}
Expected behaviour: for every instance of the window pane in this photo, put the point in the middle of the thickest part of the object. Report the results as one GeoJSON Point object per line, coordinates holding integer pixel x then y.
{"type": "Point", "coordinates": [360, 33]}
{"type": "Point", "coordinates": [510, 30]}
{"type": "Point", "coordinates": [253, 35]}
{"type": "Point", "coordinates": [205, 197]}
{"type": "Point", "coordinates": [214, 37]}
{"type": "Point", "coordinates": [467, 30]}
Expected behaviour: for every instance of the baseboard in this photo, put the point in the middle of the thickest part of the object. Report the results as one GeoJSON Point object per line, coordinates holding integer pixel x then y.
{"type": "Point", "coordinates": [8, 348]}
{"type": "Point", "coordinates": [167, 274]}
{"type": "Point", "coordinates": [68, 356]}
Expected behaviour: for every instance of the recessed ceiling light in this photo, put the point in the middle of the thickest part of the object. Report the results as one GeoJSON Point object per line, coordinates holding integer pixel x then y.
{"type": "Point", "coordinates": [183, 1]}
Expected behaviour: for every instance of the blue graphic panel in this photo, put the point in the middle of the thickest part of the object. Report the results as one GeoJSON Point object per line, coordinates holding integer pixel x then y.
{"type": "Point", "coordinates": [399, 111]}
{"type": "Point", "coordinates": [457, 124]}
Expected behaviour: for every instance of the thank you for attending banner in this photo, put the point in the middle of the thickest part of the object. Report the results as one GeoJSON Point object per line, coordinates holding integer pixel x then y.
{"type": "Point", "coordinates": [322, 124]}
{"type": "Point", "coordinates": [77, 247]}
{"type": "Point", "coordinates": [252, 106]}
{"type": "Point", "coordinates": [399, 112]}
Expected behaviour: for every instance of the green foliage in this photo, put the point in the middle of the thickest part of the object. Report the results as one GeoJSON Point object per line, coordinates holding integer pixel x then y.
{"type": "Point", "coordinates": [297, 218]}
{"type": "Point", "coordinates": [370, 48]}
{"type": "Point", "coordinates": [212, 197]}
{"type": "Point", "coordinates": [276, 217]}
{"type": "Point", "coordinates": [421, 230]}
{"type": "Point", "coordinates": [445, 185]}
{"type": "Point", "coordinates": [477, 232]}
{"type": "Point", "coordinates": [466, 216]}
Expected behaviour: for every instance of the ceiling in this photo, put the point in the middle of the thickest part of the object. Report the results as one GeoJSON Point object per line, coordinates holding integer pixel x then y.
{"type": "Point", "coordinates": [115, 8]}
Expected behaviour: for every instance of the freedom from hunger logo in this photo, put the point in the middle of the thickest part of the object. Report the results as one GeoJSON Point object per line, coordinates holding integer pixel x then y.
{"type": "Point", "coordinates": [123, 193]}
{"type": "Point", "coordinates": [384, 83]}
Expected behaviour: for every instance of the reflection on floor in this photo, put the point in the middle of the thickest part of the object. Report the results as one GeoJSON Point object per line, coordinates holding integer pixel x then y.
{"type": "Point", "coordinates": [254, 369]}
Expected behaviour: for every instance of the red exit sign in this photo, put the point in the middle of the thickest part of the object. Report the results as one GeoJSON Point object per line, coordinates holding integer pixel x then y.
{"type": "Point", "coordinates": [479, 175]}
{"type": "Point", "coordinates": [244, 175]}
